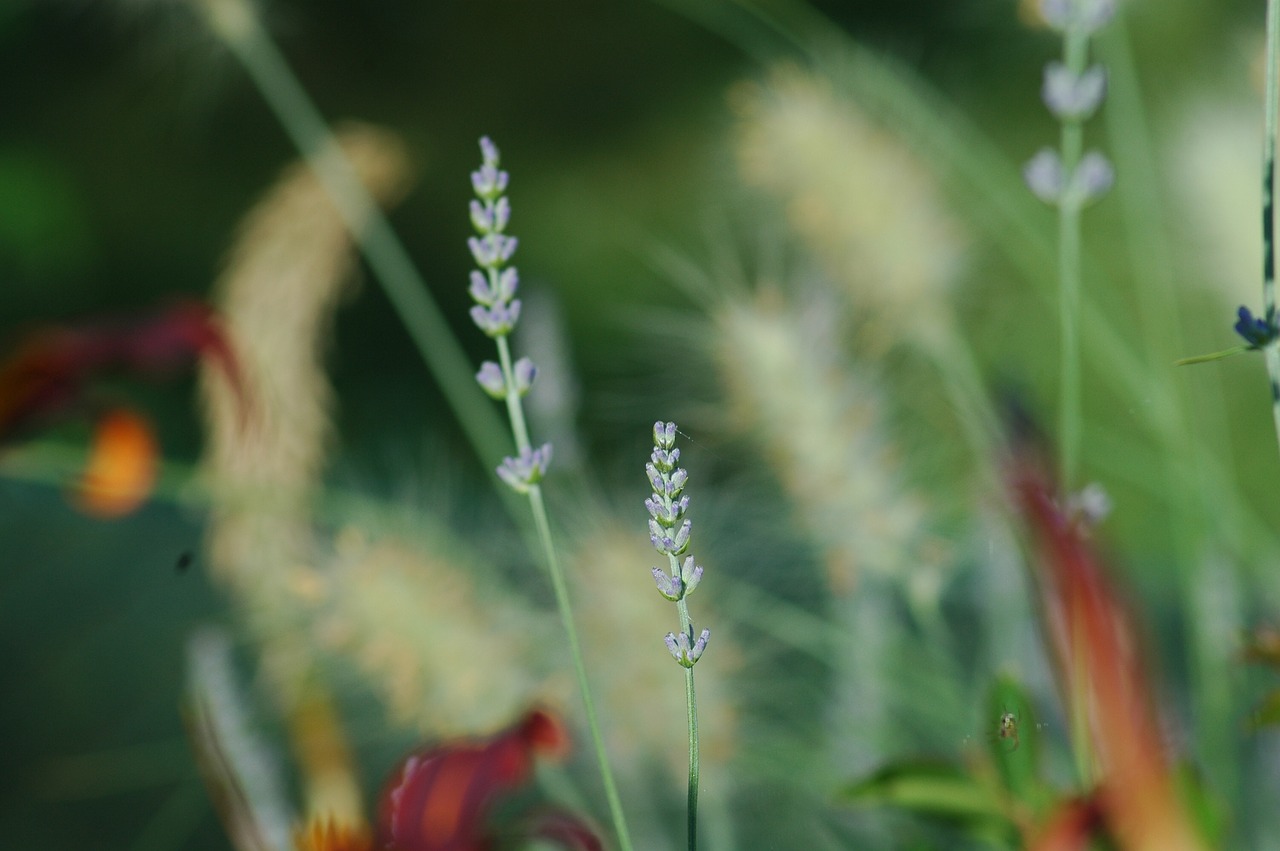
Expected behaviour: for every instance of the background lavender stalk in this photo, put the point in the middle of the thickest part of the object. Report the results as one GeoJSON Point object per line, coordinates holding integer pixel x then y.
{"type": "Point", "coordinates": [669, 532]}
{"type": "Point", "coordinates": [1069, 179]}
{"type": "Point", "coordinates": [493, 287]}
{"type": "Point", "coordinates": [1272, 348]}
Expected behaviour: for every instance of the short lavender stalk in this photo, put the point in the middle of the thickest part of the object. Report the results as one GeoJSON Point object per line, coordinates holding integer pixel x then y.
{"type": "Point", "coordinates": [669, 531]}
{"type": "Point", "coordinates": [1069, 179]}
{"type": "Point", "coordinates": [493, 288]}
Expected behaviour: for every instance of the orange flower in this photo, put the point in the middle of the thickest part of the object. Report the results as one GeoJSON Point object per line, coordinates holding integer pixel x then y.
{"type": "Point", "coordinates": [326, 834]}
{"type": "Point", "coordinates": [122, 466]}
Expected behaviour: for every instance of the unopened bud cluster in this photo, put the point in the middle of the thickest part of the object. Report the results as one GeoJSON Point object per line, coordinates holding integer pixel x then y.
{"type": "Point", "coordinates": [496, 310]}
{"type": "Point", "coordinates": [1072, 95]}
{"type": "Point", "coordinates": [669, 532]}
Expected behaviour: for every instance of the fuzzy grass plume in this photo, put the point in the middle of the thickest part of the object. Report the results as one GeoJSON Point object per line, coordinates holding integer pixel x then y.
{"type": "Point", "coordinates": [821, 425]}
{"type": "Point", "coordinates": [856, 197]}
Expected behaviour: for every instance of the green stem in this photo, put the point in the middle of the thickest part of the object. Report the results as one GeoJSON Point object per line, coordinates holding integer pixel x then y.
{"type": "Point", "coordinates": [561, 591]}
{"type": "Point", "coordinates": [1075, 55]}
{"type": "Point", "coordinates": [235, 23]}
{"type": "Point", "coordinates": [692, 704]}
{"type": "Point", "coordinates": [1268, 203]}
{"type": "Point", "coordinates": [686, 626]}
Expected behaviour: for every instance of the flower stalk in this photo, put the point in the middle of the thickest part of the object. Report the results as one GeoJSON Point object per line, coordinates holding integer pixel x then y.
{"type": "Point", "coordinates": [496, 311]}
{"type": "Point", "coordinates": [1069, 179]}
{"type": "Point", "coordinates": [669, 532]}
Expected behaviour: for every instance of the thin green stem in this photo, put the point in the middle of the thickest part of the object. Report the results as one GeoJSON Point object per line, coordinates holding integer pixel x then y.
{"type": "Point", "coordinates": [692, 703]}
{"type": "Point", "coordinates": [240, 30]}
{"type": "Point", "coordinates": [560, 589]}
{"type": "Point", "coordinates": [1075, 55]}
{"type": "Point", "coordinates": [686, 626]}
{"type": "Point", "coordinates": [1268, 203]}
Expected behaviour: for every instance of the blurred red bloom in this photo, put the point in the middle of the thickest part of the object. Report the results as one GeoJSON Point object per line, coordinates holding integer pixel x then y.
{"type": "Point", "coordinates": [1101, 677]}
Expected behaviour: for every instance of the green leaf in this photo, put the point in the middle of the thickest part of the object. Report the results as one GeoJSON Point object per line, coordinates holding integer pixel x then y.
{"type": "Point", "coordinates": [928, 788]}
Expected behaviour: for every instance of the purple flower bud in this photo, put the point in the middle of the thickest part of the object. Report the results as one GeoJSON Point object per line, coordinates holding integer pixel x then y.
{"type": "Point", "coordinates": [498, 320]}
{"type": "Point", "coordinates": [677, 482]}
{"type": "Point", "coordinates": [488, 182]}
{"type": "Point", "coordinates": [488, 151]}
{"type": "Point", "coordinates": [681, 541]}
{"type": "Point", "coordinates": [1085, 16]}
{"type": "Point", "coordinates": [479, 289]}
{"type": "Point", "coordinates": [700, 645]}
{"type": "Point", "coordinates": [508, 281]}
{"type": "Point", "coordinates": [490, 378]}
{"type": "Point", "coordinates": [506, 246]}
{"type": "Point", "coordinates": [665, 460]}
{"type": "Point", "coordinates": [526, 470]}
{"type": "Point", "coordinates": [1044, 176]}
{"type": "Point", "coordinates": [680, 648]}
{"type": "Point", "coordinates": [690, 573]}
{"type": "Point", "coordinates": [525, 372]}
{"type": "Point", "coordinates": [1092, 178]}
{"type": "Point", "coordinates": [481, 217]}
{"type": "Point", "coordinates": [657, 535]}
{"type": "Point", "coordinates": [654, 506]}
{"type": "Point", "coordinates": [655, 478]}
{"type": "Point", "coordinates": [668, 586]}
{"type": "Point", "coordinates": [664, 435]}
{"type": "Point", "coordinates": [1071, 97]}
{"type": "Point", "coordinates": [501, 214]}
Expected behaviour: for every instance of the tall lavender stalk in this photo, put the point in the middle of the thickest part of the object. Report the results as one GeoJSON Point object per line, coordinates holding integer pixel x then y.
{"type": "Point", "coordinates": [669, 531]}
{"type": "Point", "coordinates": [1069, 179]}
{"type": "Point", "coordinates": [496, 311]}
{"type": "Point", "coordinates": [1263, 332]}
{"type": "Point", "coordinates": [1268, 329]}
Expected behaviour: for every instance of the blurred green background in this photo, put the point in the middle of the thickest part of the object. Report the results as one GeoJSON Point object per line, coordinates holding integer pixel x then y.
{"type": "Point", "coordinates": [132, 143]}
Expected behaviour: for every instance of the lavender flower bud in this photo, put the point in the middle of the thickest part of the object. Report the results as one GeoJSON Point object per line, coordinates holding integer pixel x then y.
{"type": "Point", "coordinates": [1085, 16]}
{"type": "Point", "coordinates": [1092, 178]}
{"type": "Point", "coordinates": [527, 470]}
{"type": "Point", "coordinates": [681, 541]}
{"type": "Point", "coordinates": [1044, 176]}
{"type": "Point", "coordinates": [690, 574]}
{"type": "Point", "coordinates": [664, 435]}
{"type": "Point", "coordinates": [492, 250]}
{"type": "Point", "coordinates": [496, 321]}
{"type": "Point", "coordinates": [1071, 97]}
{"type": "Point", "coordinates": [487, 181]}
{"type": "Point", "coordinates": [501, 214]}
{"type": "Point", "coordinates": [508, 282]}
{"type": "Point", "coordinates": [480, 290]}
{"type": "Point", "coordinates": [481, 217]}
{"type": "Point", "coordinates": [682, 650]}
{"type": "Point", "coordinates": [490, 378]}
{"type": "Point", "coordinates": [668, 586]}
{"type": "Point", "coordinates": [665, 460]}
{"type": "Point", "coordinates": [525, 372]}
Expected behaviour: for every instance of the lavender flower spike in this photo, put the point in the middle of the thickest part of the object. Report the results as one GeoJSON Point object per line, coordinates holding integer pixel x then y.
{"type": "Point", "coordinates": [685, 652]}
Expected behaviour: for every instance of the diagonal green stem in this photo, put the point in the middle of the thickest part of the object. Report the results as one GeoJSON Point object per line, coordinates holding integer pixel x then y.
{"type": "Point", "coordinates": [234, 22]}
{"type": "Point", "coordinates": [240, 30]}
{"type": "Point", "coordinates": [561, 591]}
